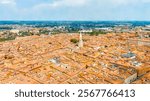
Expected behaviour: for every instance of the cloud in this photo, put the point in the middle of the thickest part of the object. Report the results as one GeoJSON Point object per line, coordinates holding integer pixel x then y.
{"type": "Point", "coordinates": [4, 2]}
{"type": "Point", "coordinates": [75, 9]}
{"type": "Point", "coordinates": [69, 3]}
{"type": "Point", "coordinates": [56, 4]}
{"type": "Point", "coordinates": [62, 3]}
{"type": "Point", "coordinates": [121, 2]}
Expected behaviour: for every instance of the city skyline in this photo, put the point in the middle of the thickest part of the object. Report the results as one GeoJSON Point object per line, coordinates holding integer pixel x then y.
{"type": "Point", "coordinates": [93, 10]}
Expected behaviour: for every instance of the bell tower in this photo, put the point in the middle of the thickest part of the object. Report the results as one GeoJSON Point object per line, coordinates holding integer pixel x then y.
{"type": "Point", "coordinates": [80, 44]}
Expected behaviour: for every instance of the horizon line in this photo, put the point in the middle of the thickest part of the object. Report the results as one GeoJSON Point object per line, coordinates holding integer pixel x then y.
{"type": "Point", "coordinates": [83, 20]}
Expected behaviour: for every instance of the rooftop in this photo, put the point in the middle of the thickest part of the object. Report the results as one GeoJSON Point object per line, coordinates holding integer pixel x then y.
{"type": "Point", "coordinates": [54, 59]}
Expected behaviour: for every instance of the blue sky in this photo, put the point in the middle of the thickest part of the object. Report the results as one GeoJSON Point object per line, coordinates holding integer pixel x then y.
{"type": "Point", "coordinates": [75, 10]}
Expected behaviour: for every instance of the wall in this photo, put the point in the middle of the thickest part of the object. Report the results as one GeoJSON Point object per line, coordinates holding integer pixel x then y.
{"type": "Point", "coordinates": [130, 78]}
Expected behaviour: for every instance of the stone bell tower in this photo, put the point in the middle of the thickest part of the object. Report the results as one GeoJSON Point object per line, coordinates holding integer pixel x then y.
{"type": "Point", "coordinates": [80, 44]}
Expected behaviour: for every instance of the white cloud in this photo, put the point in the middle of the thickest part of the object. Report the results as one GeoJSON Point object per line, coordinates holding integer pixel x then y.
{"type": "Point", "coordinates": [76, 9]}
{"type": "Point", "coordinates": [69, 3]}
{"type": "Point", "coordinates": [7, 2]}
{"type": "Point", "coordinates": [80, 3]}
{"type": "Point", "coordinates": [121, 2]}
{"type": "Point", "coordinates": [128, 1]}
{"type": "Point", "coordinates": [63, 3]}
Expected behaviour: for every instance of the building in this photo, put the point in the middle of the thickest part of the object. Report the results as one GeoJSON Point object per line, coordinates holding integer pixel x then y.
{"type": "Point", "coordinates": [80, 44]}
{"type": "Point", "coordinates": [15, 31]}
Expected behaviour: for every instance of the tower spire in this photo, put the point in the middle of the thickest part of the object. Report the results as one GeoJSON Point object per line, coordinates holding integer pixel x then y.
{"type": "Point", "coordinates": [80, 41]}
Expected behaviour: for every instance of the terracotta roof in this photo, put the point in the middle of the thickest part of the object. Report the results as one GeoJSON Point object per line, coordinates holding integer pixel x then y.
{"type": "Point", "coordinates": [26, 60]}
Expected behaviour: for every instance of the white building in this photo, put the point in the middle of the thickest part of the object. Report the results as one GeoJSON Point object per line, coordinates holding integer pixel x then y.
{"type": "Point", "coordinates": [86, 31]}
{"type": "Point", "coordinates": [15, 31]}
